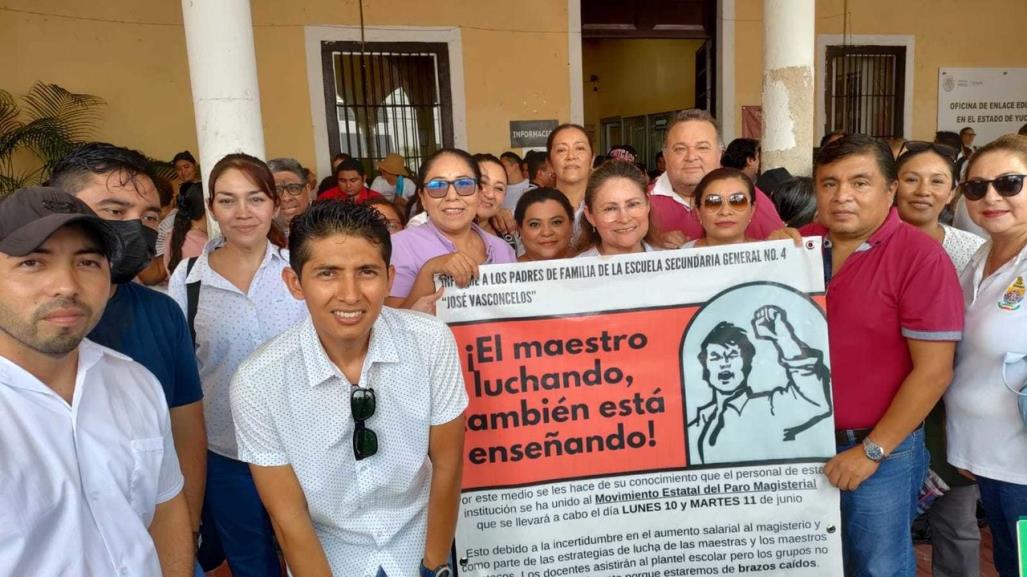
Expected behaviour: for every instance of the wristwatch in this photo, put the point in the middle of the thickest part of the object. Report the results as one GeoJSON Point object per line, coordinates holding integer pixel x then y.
{"type": "Point", "coordinates": [443, 570]}
{"type": "Point", "coordinates": [872, 450]}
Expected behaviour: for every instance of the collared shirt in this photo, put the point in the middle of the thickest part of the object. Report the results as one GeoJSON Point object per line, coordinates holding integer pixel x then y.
{"type": "Point", "coordinates": [985, 432]}
{"type": "Point", "coordinates": [336, 193]}
{"type": "Point", "coordinates": [292, 407]}
{"type": "Point", "coordinates": [671, 212]}
{"type": "Point", "coordinates": [594, 251]}
{"type": "Point", "coordinates": [79, 484]}
{"type": "Point", "coordinates": [149, 328]}
{"type": "Point", "coordinates": [231, 325]}
{"type": "Point", "coordinates": [412, 247]}
{"type": "Point", "coordinates": [514, 192]}
{"type": "Point", "coordinates": [897, 285]}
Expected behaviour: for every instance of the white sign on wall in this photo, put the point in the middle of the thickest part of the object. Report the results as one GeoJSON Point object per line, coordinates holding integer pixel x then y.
{"type": "Point", "coordinates": [991, 100]}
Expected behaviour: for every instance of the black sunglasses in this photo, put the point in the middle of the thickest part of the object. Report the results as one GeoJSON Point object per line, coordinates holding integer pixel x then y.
{"type": "Point", "coordinates": [361, 405]}
{"type": "Point", "coordinates": [917, 146]}
{"type": "Point", "coordinates": [1006, 185]}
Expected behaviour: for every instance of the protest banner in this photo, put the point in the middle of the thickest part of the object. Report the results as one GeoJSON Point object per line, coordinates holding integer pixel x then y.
{"type": "Point", "coordinates": [658, 414]}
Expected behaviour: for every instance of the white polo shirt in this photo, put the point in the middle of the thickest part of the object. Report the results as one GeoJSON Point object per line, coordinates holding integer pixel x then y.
{"type": "Point", "coordinates": [292, 407]}
{"type": "Point", "coordinates": [79, 484]}
{"type": "Point", "coordinates": [985, 433]}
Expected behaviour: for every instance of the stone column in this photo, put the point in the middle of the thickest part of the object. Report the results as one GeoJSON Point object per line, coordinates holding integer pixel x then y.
{"type": "Point", "coordinates": [223, 73]}
{"type": "Point", "coordinates": [788, 46]}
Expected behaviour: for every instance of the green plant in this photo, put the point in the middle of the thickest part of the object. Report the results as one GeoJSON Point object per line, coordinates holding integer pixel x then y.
{"type": "Point", "coordinates": [47, 123]}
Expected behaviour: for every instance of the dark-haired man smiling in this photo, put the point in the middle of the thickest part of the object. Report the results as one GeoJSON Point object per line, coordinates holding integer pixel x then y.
{"type": "Point", "coordinates": [352, 421]}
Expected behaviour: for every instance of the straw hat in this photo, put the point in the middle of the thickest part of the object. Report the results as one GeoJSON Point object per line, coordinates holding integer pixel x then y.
{"type": "Point", "coordinates": [394, 164]}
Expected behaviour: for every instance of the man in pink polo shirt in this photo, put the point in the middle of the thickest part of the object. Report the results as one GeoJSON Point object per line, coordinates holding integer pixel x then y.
{"type": "Point", "coordinates": [691, 149]}
{"type": "Point", "coordinates": [894, 315]}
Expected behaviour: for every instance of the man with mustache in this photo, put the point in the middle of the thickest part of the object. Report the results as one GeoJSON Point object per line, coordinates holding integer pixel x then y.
{"type": "Point", "coordinates": [147, 326]}
{"type": "Point", "coordinates": [894, 316]}
{"type": "Point", "coordinates": [692, 148]}
{"type": "Point", "coordinates": [728, 428]}
{"type": "Point", "coordinates": [89, 479]}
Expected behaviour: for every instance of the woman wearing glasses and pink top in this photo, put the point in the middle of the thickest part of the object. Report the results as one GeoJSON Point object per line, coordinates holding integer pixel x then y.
{"type": "Point", "coordinates": [726, 199]}
{"type": "Point", "coordinates": [450, 243]}
{"type": "Point", "coordinates": [986, 421]}
{"type": "Point", "coordinates": [616, 215]}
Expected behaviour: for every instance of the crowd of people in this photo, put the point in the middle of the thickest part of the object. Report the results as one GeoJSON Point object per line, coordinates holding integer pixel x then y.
{"type": "Point", "coordinates": [273, 404]}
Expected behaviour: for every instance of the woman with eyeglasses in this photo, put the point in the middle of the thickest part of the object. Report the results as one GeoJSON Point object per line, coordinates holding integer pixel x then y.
{"type": "Point", "coordinates": [727, 202]}
{"type": "Point", "coordinates": [986, 409]}
{"type": "Point", "coordinates": [234, 299]}
{"type": "Point", "coordinates": [451, 242]}
{"type": "Point", "coordinates": [394, 220]}
{"type": "Point", "coordinates": [616, 215]}
{"type": "Point", "coordinates": [545, 218]}
{"type": "Point", "coordinates": [926, 185]}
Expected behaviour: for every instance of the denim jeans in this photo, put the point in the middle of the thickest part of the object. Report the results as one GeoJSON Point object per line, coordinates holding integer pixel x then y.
{"type": "Point", "coordinates": [877, 516]}
{"type": "Point", "coordinates": [233, 506]}
{"type": "Point", "coordinates": [1004, 503]}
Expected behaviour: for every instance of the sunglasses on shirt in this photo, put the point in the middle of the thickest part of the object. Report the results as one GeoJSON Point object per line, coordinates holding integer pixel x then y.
{"type": "Point", "coordinates": [361, 405]}
{"type": "Point", "coordinates": [1006, 185]}
{"type": "Point", "coordinates": [439, 187]}
{"type": "Point", "coordinates": [916, 146]}
{"type": "Point", "coordinates": [736, 200]}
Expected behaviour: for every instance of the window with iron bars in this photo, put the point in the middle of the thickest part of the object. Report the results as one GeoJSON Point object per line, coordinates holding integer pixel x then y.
{"type": "Point", "coordinates": [864, 90]}
{"type": "Point", "coordinates": [387, 97]}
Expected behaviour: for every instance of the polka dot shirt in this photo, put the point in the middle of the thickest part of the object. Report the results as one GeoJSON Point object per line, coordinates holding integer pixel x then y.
{"type": "Point", "coordinates": [292, 407]}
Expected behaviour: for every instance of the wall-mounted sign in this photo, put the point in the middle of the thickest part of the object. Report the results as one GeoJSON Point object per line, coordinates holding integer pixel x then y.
{"type": "Point", "coordinates": [992, 101]}
{"type": "Point", "coordinates": [529, 133]}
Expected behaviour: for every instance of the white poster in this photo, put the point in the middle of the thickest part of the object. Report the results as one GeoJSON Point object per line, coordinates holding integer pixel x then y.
{"type": "Point", "coordinates": [660, 414]}
{"type": "Point", "coordinates": [992, 101]}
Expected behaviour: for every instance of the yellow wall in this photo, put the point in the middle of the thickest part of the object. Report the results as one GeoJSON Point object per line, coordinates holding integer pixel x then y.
{"type": "Point", "coordinates": [132, 53]}
{"type": "Point", "coordinates": [637, 77]}
{"type": "Point", "coordinates": [948, 33]}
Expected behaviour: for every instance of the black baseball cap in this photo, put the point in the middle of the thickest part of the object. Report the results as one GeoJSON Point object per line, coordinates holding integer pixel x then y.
{"type": "Point", "coordinates": [29, 216]}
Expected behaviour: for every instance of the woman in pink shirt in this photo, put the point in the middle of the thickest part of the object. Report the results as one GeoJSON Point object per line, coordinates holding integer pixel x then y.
{"type": "Point", "coordinates": [189, 233]}
{"type": "Point", "coordinates": [451, 242]}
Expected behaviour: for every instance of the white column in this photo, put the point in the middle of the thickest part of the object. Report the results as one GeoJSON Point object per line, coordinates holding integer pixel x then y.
{"type": "Point", "coordinates": [725, 90]}
{"type": "Point", "coordinates": [223, 72]}
{"type": "Point", "coordinates": [574, 64]}
{"type": "Point", "coordinates": [788, 40]}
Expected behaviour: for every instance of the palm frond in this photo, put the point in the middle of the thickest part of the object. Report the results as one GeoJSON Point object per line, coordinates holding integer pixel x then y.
{"type": "Point", "coordinates": [78, 114]}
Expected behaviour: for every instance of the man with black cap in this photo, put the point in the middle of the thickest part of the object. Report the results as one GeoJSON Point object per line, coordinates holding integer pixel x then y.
{"type": "Point", "coordinates": [89, 478]}
{"type": "Point", "coordinates": [117, 183]}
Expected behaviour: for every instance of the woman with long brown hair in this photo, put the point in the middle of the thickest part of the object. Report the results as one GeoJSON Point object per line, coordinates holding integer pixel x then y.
{"type": "Point", "coordinates": [235, 300]}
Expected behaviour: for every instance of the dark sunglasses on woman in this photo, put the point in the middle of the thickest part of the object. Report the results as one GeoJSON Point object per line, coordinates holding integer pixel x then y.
{"type": "Point", "coordinates": [1006, 185]}
{"type": "Point", "coordinates": [736, 200]}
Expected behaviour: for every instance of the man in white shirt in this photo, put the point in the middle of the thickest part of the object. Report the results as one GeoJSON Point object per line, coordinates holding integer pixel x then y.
{"type": "Point", "coordinates": [352, 421]}
{"type": "Point", "coordinates": [517, 182]}
{"type": "Point", "coordinates": [393, 181]}
{"type": "Point", "coordinates": [89, 479]}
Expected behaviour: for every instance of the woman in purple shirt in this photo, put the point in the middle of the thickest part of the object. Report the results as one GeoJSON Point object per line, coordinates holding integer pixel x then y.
{"type": "Point", "coordinates": [450, 243]}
